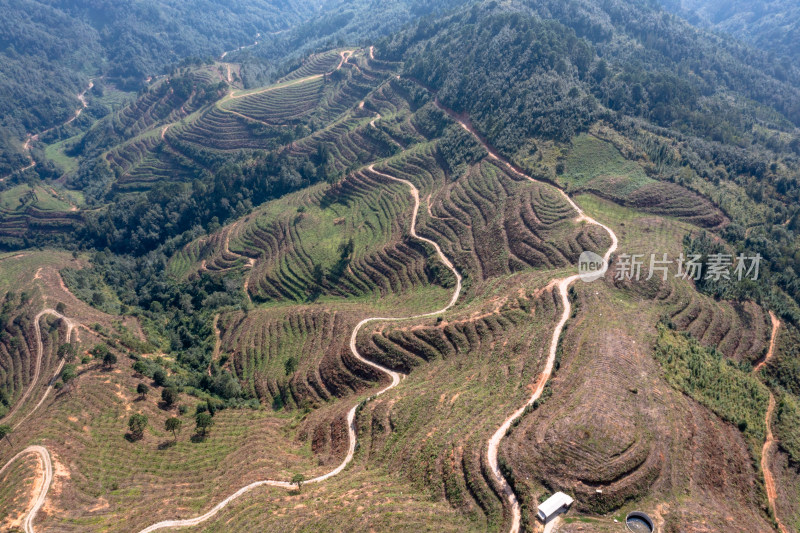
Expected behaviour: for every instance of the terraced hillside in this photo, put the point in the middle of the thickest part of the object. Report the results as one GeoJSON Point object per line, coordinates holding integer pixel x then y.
{"type": "Point", "coordinates": [507, 235]}
{"type": "Point", "coordinates": [44, 210]}
{"type": "Point", "coordinates": [389, 342]}
{"type": "Point", "coordinates": [631, 451]}
{"type": "Point", "coordinates": [595, 164]}
{"type": "Point", "coordinates": [319, 92]}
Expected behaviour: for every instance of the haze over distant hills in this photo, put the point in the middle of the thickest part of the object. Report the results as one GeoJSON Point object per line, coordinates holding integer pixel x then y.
{"type": "Point", "coordinates": [770, 25]}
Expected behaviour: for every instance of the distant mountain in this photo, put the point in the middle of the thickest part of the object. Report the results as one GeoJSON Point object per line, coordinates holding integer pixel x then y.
{"type": "Point", "coordinates": [538, 68]}
{"type": "Point", "coordinates": [49, 49]}
{"type": "Point", "coordinates": [770, 25]}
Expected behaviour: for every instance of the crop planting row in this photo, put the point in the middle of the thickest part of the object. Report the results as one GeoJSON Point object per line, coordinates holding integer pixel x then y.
{"type": "Point", "coordinates": [154, 107]}
{"type": "Point", "coordinates": [156, 167]}
{"type": "Point", "coordinates": [282, 105]}
{"type": "Point", "coordinates": [466, 373]}
{"type": "Point", "coordinates": [314, 65]}
{"type": "Point", "coordinates": [133, 479]}
{"type": "Point", "coordinates": [291, 358]}
{"type": "Point", "coordinates": [305, 253]}
{"type": "Point", "coordinates": [220, 130]}
{"type": "Point", "coordinates": [670, 199]}
{"type": "Point", "coordinates": [16, 225]}
{"type": "Point", "coordinates": [739, 330]}
{"type": "Point", "coordinates": [184, 259]}
{"type": "Point", "coordinates": [16, 485]}
{"type": "Point", "coordinates": [390, 504]}
{"type": "Point", "coordinates": [339, 97]}
{"type": "Point", "coordinates": [493, 224]}
{"type": "Point", "coordinates": [420, 166]}
{"type": "Point", "coordinates": [18, 356]}
{"type": "Point", "coordinates": [386, 100]}
{"type": "Point", "coordinates": [346, 146]}
{"type": "Point", "coordinates": [124, 158]}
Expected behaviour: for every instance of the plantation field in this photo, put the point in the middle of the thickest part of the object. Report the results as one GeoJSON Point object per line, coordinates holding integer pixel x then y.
{"type": "Point", "coordinates": [364, 499]}
{"type": "Point", "coordinates": [615, 418]}
{"type": "Point", "coordinates": [84, 430]}
{"type": "Point", "coordinates": [595, 165]}
{"type": "Point", "coordinates": [55, 153]}
{"type": "Point", "coordinates": [16, 485]}
{"type": "Point", "coordinates": [41, 198]}
{"type": "Point", "coordinates": [651, 405]}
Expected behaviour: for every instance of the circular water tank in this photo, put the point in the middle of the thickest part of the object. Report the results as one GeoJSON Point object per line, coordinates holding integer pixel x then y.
{"type": "Point", "coordinates": [638, 522]}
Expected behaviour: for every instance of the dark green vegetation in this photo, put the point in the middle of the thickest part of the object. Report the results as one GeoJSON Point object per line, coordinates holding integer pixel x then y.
{"type": "Point", "coordinates": [245, 228]}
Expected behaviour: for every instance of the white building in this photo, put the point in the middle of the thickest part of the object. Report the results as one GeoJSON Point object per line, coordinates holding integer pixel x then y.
{"type": "Point", "coordinates": [553, 506]}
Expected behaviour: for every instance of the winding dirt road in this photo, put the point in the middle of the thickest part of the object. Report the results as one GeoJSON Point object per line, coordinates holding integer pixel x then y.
{"type": "Point", "coordinates": [771, 350]}
{"type": "Point", "coordinates": [47, 466]}
{"type": "Point", "coordinates": [769, 480]}
{"type": "Point", "coordinates": [351, 415]}
{"type": "Point", "coordinates": [38, 367]}
{"type": "Point", "coordinates": [563, 288]}
{"type": "Point", "coordinates": [41, 451]}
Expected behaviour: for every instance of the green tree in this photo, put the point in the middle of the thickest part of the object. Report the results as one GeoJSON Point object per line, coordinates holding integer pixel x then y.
{"type": "Point", "coordinates": [5, 431]}
{"type": "Point", "coordinates": [298, 479]}
{"type": "Point", "coordinates": [98, 299]}
{"type": "Point", "coordinates": [67, 352]}
{"type": "Point", "coordinates": [203, 421]}
{"type": "Point", "coordinates": [68, 374]}
{"type": "Point", "coordinates": [140, 367]}
{"type": "Point", "coordinates": [169, 396]}
{"type": "Point", "coordinates": [142, 390]}
{"type": "Point", "coordinates": [100, 351]}
{"type": "Point", "coordinates": [174, 425]}
{"type": "Point", "coordinates": [160, 377]}
{"type": "Point", "coordinates": [137, 424]}
{"type": "Point", "coordinates": [109, 360]}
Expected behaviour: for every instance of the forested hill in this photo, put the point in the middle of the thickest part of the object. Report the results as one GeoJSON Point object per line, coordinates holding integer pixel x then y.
{"type": "Point", "coordinates": [50, 48]}
{"type": "Point", "coordinates": [773, 25]}
{"type": "Point", "coordinates": [539, 68]}
{"type": "Point", "coordinates": [704, 110]}
{"type": "Point", "coordinates": [344, 22]}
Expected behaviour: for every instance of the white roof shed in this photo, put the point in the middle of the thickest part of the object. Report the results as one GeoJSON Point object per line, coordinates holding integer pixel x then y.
{"type": "Point", "coordinates": [554, 505]}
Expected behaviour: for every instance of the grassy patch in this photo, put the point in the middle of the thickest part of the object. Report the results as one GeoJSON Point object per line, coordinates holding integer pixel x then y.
{"type": "Point", "coordinates": [22, 197]}
{"type": "Point", "coordinates": [596, 164]}
{"type": "Point", "coordinates": [56, 153]}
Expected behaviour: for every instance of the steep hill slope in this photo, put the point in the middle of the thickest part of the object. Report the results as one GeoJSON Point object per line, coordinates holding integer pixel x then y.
{"type": "Point", "coordinates": [363, 274]}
